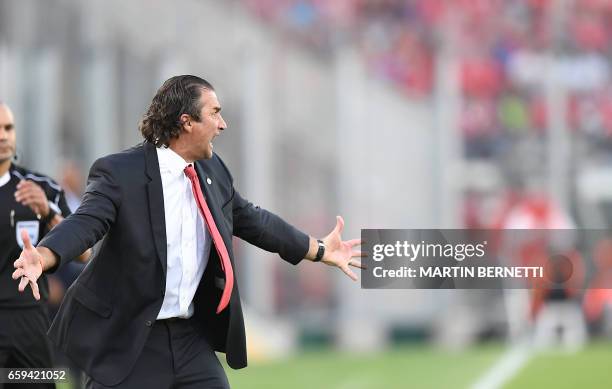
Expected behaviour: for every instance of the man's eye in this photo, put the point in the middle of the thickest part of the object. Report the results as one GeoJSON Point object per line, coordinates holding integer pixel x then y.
{"type": "Point", "coordinates": [8, 127]}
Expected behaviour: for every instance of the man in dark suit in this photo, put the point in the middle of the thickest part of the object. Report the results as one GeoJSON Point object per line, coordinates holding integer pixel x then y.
{"type": "Point", "coordinates": [159, 297]}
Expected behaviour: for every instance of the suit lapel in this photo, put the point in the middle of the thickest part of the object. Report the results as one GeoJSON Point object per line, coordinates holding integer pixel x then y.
{"type": "Point", "coordinates": [205, 176]}
{"type": "Point", "coordinates": [156, 203]}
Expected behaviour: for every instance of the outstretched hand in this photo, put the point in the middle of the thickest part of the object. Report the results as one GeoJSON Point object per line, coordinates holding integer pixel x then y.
{"type": "Point", "coordinates": [340, 253]}
{"type": "Point", "coordinates": [28, 266]}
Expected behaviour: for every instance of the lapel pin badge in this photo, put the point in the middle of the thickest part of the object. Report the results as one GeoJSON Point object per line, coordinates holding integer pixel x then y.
{"type": "Point", "coordinates": [208, 181]}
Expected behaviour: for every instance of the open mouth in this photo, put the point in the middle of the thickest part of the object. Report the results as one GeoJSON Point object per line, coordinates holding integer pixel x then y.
{"type": "Point", "coordinates": [211, 141]}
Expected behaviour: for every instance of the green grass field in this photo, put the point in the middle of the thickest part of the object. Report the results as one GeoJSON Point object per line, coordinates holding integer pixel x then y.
{"type": "Point", "coordinates": [424, 368]}
{"type": "Point", "coordinates": [415, 367]}
{"type": "Point", "coordinates": [587, 369]}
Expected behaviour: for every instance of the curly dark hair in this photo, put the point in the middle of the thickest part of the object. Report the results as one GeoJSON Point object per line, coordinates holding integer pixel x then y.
{"type": "Point", "coordinates": [178, 95]}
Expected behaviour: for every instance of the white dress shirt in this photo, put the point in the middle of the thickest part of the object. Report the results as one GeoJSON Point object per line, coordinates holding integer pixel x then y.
{"type": "Point", "coordinates": [6, 177]}
{"type": "Point", "coordinates": [186, 236]}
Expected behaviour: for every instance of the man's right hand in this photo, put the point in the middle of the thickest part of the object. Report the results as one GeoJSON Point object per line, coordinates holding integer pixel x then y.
{"type": "Point", "coordinates": [29, 266]}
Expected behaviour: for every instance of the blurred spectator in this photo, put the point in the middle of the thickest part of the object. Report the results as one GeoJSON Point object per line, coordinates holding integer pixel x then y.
{"type": "Point", "coordinates": [72, 182]}
{"type": "Point", "coordinates": [550, 244]}
{"type": "Point", "coordinates": [598, 297]}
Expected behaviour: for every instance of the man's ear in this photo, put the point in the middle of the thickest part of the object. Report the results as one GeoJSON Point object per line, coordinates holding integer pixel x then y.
{"type": "Point", "coordinates": [185, 122]}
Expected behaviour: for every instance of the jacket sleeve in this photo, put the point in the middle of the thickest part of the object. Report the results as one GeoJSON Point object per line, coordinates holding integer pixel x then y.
{"type": "Point", "coordinates": [268, 231]}
{"type": "Point", "coordinates": [92, 220]}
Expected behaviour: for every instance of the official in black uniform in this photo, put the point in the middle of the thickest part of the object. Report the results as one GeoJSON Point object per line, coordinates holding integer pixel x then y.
{"type": "Point", "coordinates": [32, 202]}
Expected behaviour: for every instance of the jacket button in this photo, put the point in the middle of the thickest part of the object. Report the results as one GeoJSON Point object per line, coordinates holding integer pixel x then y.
{"type": "Point", "coordinates": [148, 323]}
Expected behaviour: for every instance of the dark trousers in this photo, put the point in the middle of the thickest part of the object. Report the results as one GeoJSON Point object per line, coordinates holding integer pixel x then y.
{"type": "Point", "coordinates": [24, 342]}
{"type": "Point", "coordinates": [175, 356]}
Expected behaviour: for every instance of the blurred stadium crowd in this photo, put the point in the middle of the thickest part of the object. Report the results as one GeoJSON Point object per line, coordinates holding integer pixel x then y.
{"type": "Point", "coordinates": [501, 45]}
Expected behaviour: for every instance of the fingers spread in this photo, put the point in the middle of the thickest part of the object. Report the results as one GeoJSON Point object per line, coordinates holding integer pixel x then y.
{"type": "Point", "coordinates": [35, 290]}
{"type": "Point", "coordinates": [18, 273]}
{"type": "Point", "coordinates": [349, 273]}
{"type": "Point", "coordinates": [23, 283]}
{"type": "Point", "coordinates": [355, 242]}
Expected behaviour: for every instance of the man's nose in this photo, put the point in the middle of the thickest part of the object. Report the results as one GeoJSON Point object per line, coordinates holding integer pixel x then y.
{"type": "Point", "coordinates": [222, 125]}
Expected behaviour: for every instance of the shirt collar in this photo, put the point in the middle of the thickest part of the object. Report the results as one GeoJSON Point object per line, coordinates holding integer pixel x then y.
{"type": "Point", "coordinates": [171, 162]}
{"type": "Point", "coordinates": [6, 177]}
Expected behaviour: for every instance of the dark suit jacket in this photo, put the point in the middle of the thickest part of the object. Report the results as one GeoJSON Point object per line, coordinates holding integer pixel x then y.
{"type": "Point", "coordinates": [107, 314]}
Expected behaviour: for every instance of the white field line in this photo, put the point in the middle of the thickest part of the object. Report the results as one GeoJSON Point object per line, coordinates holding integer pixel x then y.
{"type": "Point", "coordinates": [506, 367]}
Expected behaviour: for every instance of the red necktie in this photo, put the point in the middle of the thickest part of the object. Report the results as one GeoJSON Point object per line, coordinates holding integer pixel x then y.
{"type": "Point", "coordinates": [226, 265]}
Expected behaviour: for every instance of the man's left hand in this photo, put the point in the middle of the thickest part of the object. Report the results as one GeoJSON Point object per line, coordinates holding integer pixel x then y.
{"type": "Point", "coordinates": [340, 253]}
{"type": "Point", "coordinates": [32, 195]}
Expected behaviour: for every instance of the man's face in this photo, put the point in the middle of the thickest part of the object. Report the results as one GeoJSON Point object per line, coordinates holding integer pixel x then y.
{"type": "Point", "coordinates": [7, 134]}
{"type": "Point", "coordinates": [210, 125]}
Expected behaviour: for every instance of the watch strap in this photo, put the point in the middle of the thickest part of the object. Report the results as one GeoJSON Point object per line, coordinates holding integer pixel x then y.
{"type": "Point", "coordinates": [320, 251]}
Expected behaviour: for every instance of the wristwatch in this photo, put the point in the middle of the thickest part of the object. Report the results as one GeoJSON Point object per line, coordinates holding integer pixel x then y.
{"type": "Point", "coordinates": [320, 252]}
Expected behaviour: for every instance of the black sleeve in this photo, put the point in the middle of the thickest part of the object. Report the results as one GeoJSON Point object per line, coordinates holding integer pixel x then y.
{"type": "Point", "coordinates": [268, 231]}
{"type": "Point", "coordinates": [57, 201]}
{"type": "Point", "coordinates": [264, 229]}
{"type": "Point", "coordinates": [63, 205]}
{"type": "Point", "coordinates": [91, 220]}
